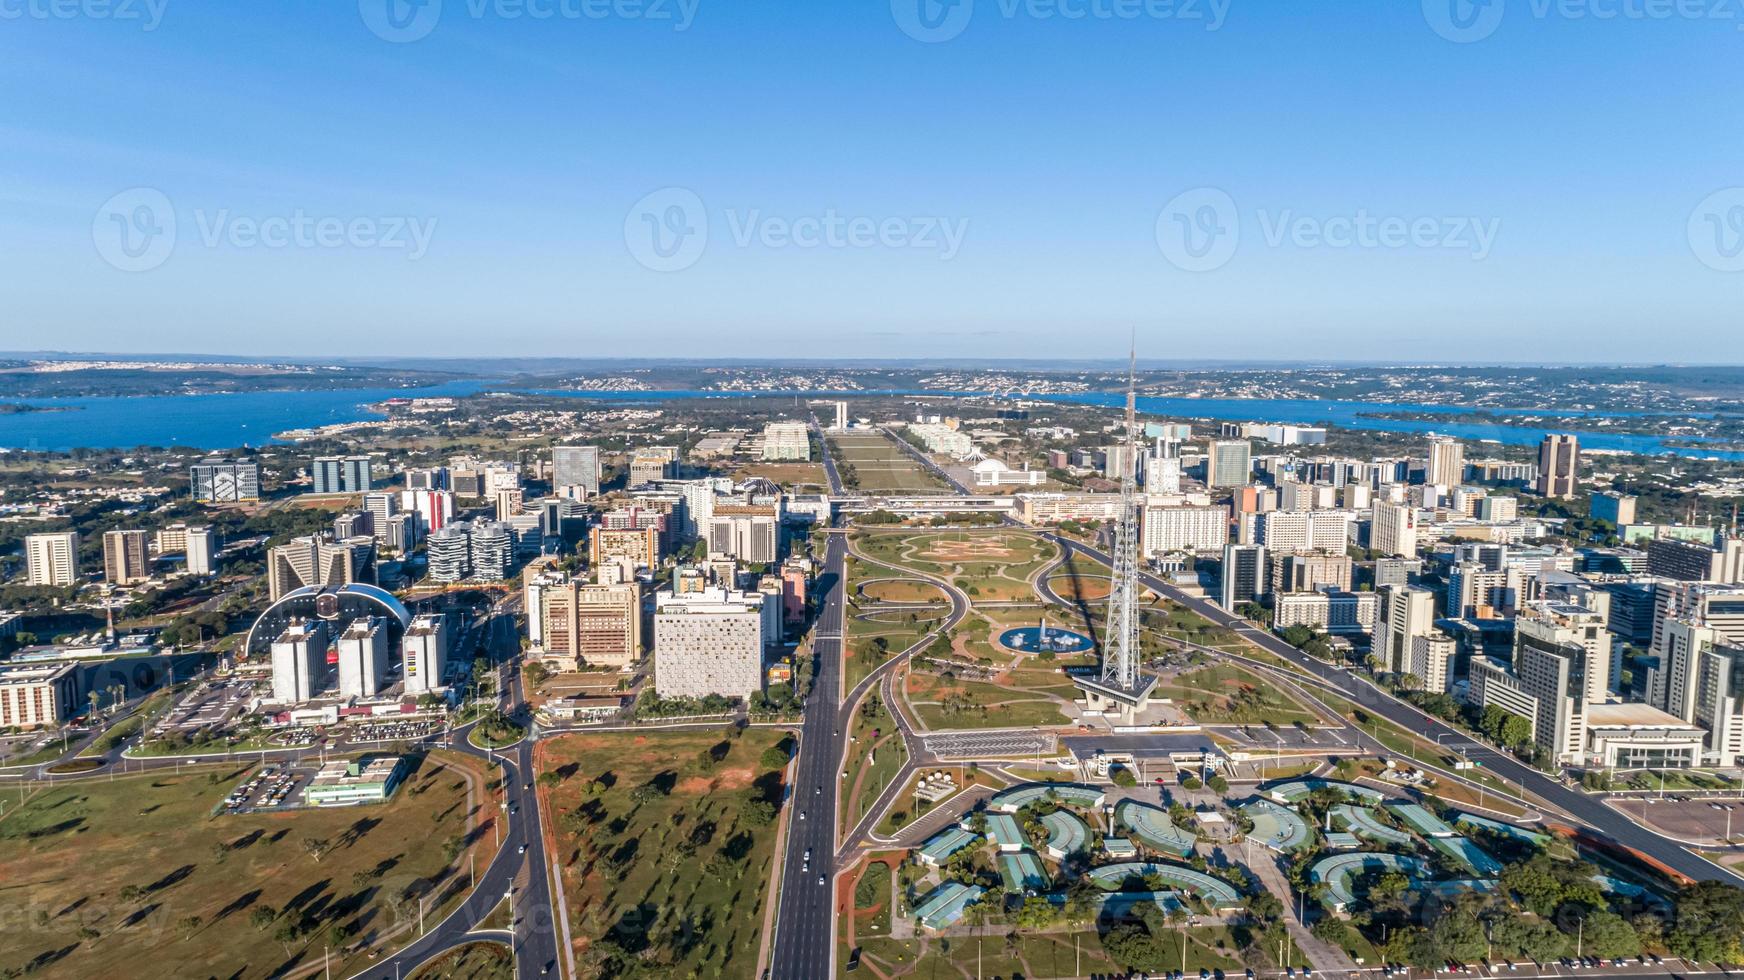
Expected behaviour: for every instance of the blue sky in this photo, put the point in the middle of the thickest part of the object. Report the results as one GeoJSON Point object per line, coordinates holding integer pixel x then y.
{"type": "Point", "coordinates": [1006, 191]}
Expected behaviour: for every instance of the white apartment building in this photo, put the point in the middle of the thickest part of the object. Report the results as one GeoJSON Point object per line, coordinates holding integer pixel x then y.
{"type": "Point", "coordinates": [52, 558]}
{"type": "Point", "coordinates": [1328, 611]}
{"type": "Point", "coordinates": [1404, 612]}
{"type": "Point", "coordinates": [363, 658]}
{"type": "Point", "coordinates": [1167, 524]}
{"type": "Point", "coordinates": [37, 695]}
{"type": "Point", "coordinates": [1284, 531]}
{"type": "Point", "coordinates": [1393, 529]}
{"type": "Point", "coordinates": [1432, 657]}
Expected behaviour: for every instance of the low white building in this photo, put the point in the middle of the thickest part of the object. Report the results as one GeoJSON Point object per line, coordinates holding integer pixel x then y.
{"type": "Point", "coordinates": [1330, 612]}
{"type": "Point", "coordinates": [993, 473]}
{"type": "Point", "coordinates": [1637, 736]}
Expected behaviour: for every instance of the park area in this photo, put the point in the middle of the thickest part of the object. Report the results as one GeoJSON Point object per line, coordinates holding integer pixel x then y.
{"type": "Point", "coordinates": [665, 842]}
{"type": "Point", "coordinates": [873, 463]}
{"type": "Point", "coordinates": [105, 875]}
{"type": "Point", "coordinates": [990, 566]}
{"type": "Point", "coordinates": [1223, 694]}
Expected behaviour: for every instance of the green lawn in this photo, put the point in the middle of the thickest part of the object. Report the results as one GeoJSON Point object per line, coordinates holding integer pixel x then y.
{"type": "Point", "coordinates": [1225, 694]}
{"type": "Point", "coordinates": [665, 845]}
{"type": "Point", "coordinates": [135, 877]}
{"type": "Point", "coordinates": [1018, 714]}
{"type": "Point", "coordinates": [880, 770]}
{"type": "Point", "coordinates": [474, 961]}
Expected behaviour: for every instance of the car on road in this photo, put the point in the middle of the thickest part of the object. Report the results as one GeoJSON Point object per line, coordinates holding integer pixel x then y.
{"type": "Point", "coordinates": [802, 814]}
{"type": "Point", "coordinates": [820, 879]}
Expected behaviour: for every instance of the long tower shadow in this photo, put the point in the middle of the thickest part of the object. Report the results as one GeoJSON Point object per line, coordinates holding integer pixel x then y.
{"type": "Point", "coordinates": [1079, 603]}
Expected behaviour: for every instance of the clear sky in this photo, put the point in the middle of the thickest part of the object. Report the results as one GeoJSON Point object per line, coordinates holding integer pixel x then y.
{"type": "Point", "coordinates": [1372, 179]}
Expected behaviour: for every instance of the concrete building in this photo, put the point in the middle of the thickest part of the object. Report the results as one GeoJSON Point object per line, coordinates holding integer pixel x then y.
{"type": "Point", "coordinates": [1445, 466]}
{"type": "Point", "coordinates": [1229, 463]}
{"type": "Point", "coordinates": [1562, 667]}
{"type": "Point", "coordinates": [1405, 612]}
{"type": "Point", "coordinates": [590, 625]}
{"type": "Point", "coordinates": [424, 655]}
{"type": "Point", "coordinates": [1284, 531]}
{"type": "Point", "coordinates": [200, 549]}
{"type": "Point", "coordinates": [708, 643]}
{"type": "Point", "coordinates": [1618, 508]}
{"type": "Point", "coordinates": [1559, 466]}
{"type": "Point", "coordinates": [342, 474]}
{"type": "Point", "coordinates": [1244, 574]}
{"type": "Point", "coordinates": [1393, 529]}
{"type": "Point", "coordinates": [1431, 661]}
{"type": "Point", "coordinates": [319, 561]}
{"type": "Point", "coordinates": [509, 502]}
{"type": "Point", "coordinates": [1311, 571]}
{"type": "Point", "coordinates": [51, 558]}
{"type": "Point", "coordinates": [1167, 524]}
{"type": "Point", "coordinates": [216, 480]}
{"type": "Point", "coordinates": [125, 561]}
{"type": "Point", "coordinates": [299, 662]}
{"type": "Point", "coordinates": [493, 550]}
{"type": "Point", "coordinates": [1636, 736]}
{"type": "Point", "coordinates": [428, 478]}
{"type": "Point", "coordinates": [786, 442]}
{"type": "Point", "coordinates": [640, 547]}
{"type": "Point", "coordinates": [1327, 610]}
{"type": "Point", "coordinates": [435, 508]}
{"type": "Point", "coordinates": [363, 658]}
{"type": "Point", "coordinates": [1691, 561]}
{"type": "Point", "coordinates": [747, 532]}
{"type": "Point", "coordinates": [577, 467]}
{"type": "Point", "coordinates": [37, 695]}
{"type": "Point", "coordinates": [449, 553]}
{"type": "Point", "coordinates": [343, 782]}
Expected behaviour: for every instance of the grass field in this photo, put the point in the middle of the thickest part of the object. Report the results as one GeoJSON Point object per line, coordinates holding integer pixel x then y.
{"type": "Point", "coordinates": [1039, 956]}
{"type": "Point", "coordinates": [880, 464]}
{"type": "Point", "coordinates": [665, 841]}
{"type": "Point", "coordinates": [958, 704]}
{"type": "Point", "coordinates": [790, 475]}
{"type": "Point", "coordinates": [879, 766]}
{"type": "Point", "coordinates": [1223, 694]}
{"type": "Point", "coordinates": [904, 591]}
{"type": "Point", "coordinates": [108, 877]}
{"type": "Point", "coordinates": [988, 565]}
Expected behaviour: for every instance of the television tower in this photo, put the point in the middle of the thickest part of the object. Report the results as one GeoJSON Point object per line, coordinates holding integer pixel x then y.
{"type": "Point", "coordinates": [1120, 653]}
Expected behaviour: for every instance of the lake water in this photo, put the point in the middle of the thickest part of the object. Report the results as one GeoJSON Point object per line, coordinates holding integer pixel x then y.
{"type": "Point", "coordinates": [250, 418]}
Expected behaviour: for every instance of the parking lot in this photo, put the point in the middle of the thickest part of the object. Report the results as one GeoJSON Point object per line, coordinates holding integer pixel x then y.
{"type": "Point", "coordinates": [394, 731]}
{"type": "Point", "coordinates": [208, 705]}
{"type": "Point", "coordinates": [1686, 817]}
{"type": "Point", "coordinates": [271, 787]}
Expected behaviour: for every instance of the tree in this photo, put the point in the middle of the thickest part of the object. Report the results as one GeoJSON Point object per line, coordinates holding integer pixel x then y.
{"type": "Point", "coordinates": [262, 917]}
{"type": "Point", "coordinates": [188, 924]}
{"type": "Point", "coordinates": [317, 847]}
{"type": "Point", "coordinates": [1709, 923]}
{"type": "Point", "coordinates": [1609, 935]}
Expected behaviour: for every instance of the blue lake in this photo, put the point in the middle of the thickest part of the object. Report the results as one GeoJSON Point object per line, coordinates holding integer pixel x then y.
{"type": "Point", "coordinates": [250, 418]}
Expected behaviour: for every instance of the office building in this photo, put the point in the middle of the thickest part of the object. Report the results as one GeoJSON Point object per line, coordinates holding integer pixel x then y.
{"type": "Point", "coordinates": [1169, 525]}
{"type": "Point", "coordinates": [589, 625]}
{"type": "Point", "coordinates": [841, 416]}
{"type": "Point", "coordinates": [1618, 508]}
{"type": "Point", "coordinates": [709, 643]}
{"type": "Point", "coordinates": [1393, 529]}
{"type": "Point", "coordinates": [1229, 463]}
{"type": "Point", "coordinates": [1396, 571]}
{"type": "Point", "coordinates": [341, 474]}
{"type": "Point", "coordinates": [435, 508]}
{"type": "Point", "coordinates": [1405, 612]}
{"type": "Point", "coordinates": [1432, 661]}
{"type": "Point", "coordinates": [37, 695]}
{"type": "Point", "coordinates": [216, 480]}
{"type": "Point", "coordinates": [428, 478]}
{"type": "Point", "coordinates": [1052, 508]}
{"type": "Point", "coordinates": [381, 508]}
{"type": "Point", "coordinates": [200, 549]}
{"type": "Point", "coordinates": [1690, 561]}
{"type": "Point", "coordinates": [1474, 590]}
{"type": "Point", "coordinates": [357, 524]}
{"type": "Point", "coordinates": [1445, 466]}
{"type": "Point", "coordinates": [51, 558]}
{"type": "Point", "coordinates": [299, 662]}
{"type": "Point", "coordinates": [319, 561]}
{"type": "Point", "coordinates": [1244, 574]}
{"type": "Point", "coordinates": [1562, 666]}
{"type": "Point", "coordinates": [352, 782]}
{"type": "Point", "coordinates": [509, 502]}
{"type": "Point", "coordinates": [937, 438]}
{"type": "Point", "coordinates": [578, 467]}
{"type": "Point", "coordinates": [493, 550]}
{"type": "Point", "coordinates": [1559, 466]}
{"type": "Point", "coordinates": [1328, 610]}
{"type": "Point", "coordinates": [125, 561]}
{"type": "Point", "coordinates": [747, 532]}
{"type": "Point", "coordinates": [1283, 531]}
{"type": "Point", "coordinates": [363, 658]}
{"type": "Point", "coordinates": [641, 547]}
{"type": "Point", "coordinates": [786, 441]}
{"type": "Point", "coordinates": [424, 655]}
{"type": "Point", "coordinates": [1311, 571]}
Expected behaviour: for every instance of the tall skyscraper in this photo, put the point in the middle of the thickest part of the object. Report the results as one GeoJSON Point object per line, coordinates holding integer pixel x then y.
{"type": "Point", "coordinates": [1445, 466]}
{"type": "Point", "coordinates": [363, 658]}
{"type": "Point", "coordinates": [707, 643]}
{"type": "Point", "coordinates": [201, 549]}
{"type": "Point", "coordinates": [125, 561]}
{"type": "Point", "coordinates": [1230, 463]}
{"type": "Point", "coordinates": [1244, 574]}
{"type": "Point", "coordinates": [52, 558]}
{"type": "Point", "coordinates": [576, 466]}
{"type": "Point", "coordinates": [1558, 466]}
{"type": "Point", "coordinates": [342, 474]}
{"type": "Point", "coordinates": [493, 550]}
{"type": "Point", "coordinates": [319, 561]}
{"type": "Point", "coordinates": [1405, 612]}
{"type": "Point", "coordinates": [299, 662]}
{"type": "Point", "coordinates": [449, 552]}
{"type": "Point", "coordinates": [425, 654]}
